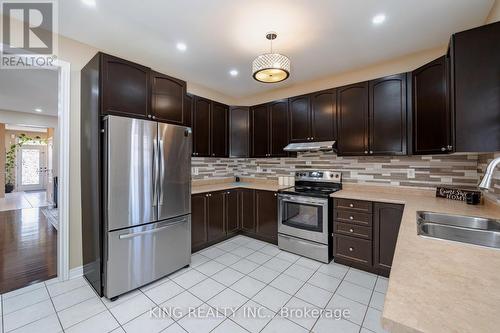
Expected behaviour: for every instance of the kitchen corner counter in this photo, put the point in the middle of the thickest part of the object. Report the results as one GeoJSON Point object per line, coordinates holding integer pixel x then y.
{"type": "Point", "coordinates": [436, 285]}
{"type": "Point", "coordinates": [229, 183]}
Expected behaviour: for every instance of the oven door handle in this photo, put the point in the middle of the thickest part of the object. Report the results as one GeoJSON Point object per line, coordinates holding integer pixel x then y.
{"type": "Point", "coordinates": [305, 202]}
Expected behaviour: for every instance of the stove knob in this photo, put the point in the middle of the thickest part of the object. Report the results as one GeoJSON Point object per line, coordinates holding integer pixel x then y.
{"type": "Point", "coordinates": [297, 174]}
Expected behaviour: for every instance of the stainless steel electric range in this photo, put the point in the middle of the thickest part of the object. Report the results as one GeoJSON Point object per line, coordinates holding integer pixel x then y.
{"type": "Point", "coordinates": [305, 224]}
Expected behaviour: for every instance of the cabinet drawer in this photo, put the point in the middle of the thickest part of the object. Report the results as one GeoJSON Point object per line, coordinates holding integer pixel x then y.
{"type": "Point", "coordinates": [357, 205]}
{"type": "Point", "coordinates": [350, 217]}
{"type": "Point", "coordinates": [353, 230]}
{"type": "Point", "coordinates": [354, 249]}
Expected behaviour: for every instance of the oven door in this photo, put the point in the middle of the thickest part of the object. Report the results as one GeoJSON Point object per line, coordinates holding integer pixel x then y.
{"type": "Point", "coordinates": [303, 217]}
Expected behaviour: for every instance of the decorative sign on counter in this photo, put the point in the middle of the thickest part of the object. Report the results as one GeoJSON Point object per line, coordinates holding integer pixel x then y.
{"type": "Point", "coordinates": [472, 197]}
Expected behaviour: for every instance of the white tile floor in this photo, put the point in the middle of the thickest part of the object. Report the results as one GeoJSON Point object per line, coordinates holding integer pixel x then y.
{"type": "Point", "coordinates": [239, 275]}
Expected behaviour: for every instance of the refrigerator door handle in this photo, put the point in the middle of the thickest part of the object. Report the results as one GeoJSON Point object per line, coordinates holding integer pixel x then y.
{"type": "Point", "coordinates": [162, 171]}
{"type": "Point", "coordinates": [155, 173]}
{"type": "Point", "coordinates": [152, 231]}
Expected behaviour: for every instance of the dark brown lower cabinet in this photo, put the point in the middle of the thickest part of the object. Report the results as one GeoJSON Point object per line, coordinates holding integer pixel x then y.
{"type": "Point", "coordinates": [266, 215]}
{"type": "Point", "coordinates": [220, 215]}
{"type": "Point", "coordinates": [232, 211]}
{"type": "Point", "coordinates": [386, 222]}
{"type": "Point", "coordinates": [199, 207]}
{"type": "Point", "coordinates": [366, 240]}
{"type": "Point", "coordinates": [247, 210]}
{"type": "Point", "coordinates": [216, 216]}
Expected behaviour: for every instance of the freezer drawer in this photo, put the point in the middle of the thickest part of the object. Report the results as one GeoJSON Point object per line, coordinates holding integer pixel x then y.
{"type": "Point", "coordinates": [137, 256]}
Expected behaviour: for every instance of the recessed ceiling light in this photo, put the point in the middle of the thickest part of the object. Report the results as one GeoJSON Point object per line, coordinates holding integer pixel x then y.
{"type": "Point", "coordinates": [38, 110]}
{"type": "Point", "coordinates": [90, 3]}
{"type": "Point", "coordinates": [181, 47]}
{"type": "Point", "coordinates": [378, 19]}
{"type": "Point", "coordinates": [233, 72]}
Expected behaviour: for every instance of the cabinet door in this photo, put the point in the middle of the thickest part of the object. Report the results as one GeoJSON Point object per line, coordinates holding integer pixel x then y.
{"type": "Point", "coordinates": [388, 115]}
{"type": "Point", "coordinates": [125, 88]}
{"type": "Point", "coordinates": [199, 220]}
{"type": "Point", "coordinates": [353, 119]}
{"type": "Point", "coordinates": [324, 115]}
{"type": "Point", "coordinates": [201, 127]}
{"type": "Point", "coordinates": [232, 211]}
{"type": "Point", "coordinates": [476, 64]}
{"type": "Point", "coordinates": [266, 212]}
{"type": "Point", "coordinates": [431, 114]}
{"type": "Point", "coordinates": [278, 114]}
{"type": "Point", "coordinates": [188, 110]}
{"type": "Point", "coordinates": [247, 210]}
{"type": "Point", "coordinates": [219, 129]}
{"type": "Point", "coordinates": [167, 99]}
{"type": "Point", "coordinates": [260, 130]}
{"type": "Point", "coordinates": [387, 219]}
{"type": "Point", "coordinates": [239, 131]}
{"type": "Point", "coordinates": [216, 221]}
{"type": "Point", "coordinates": [300, 108]}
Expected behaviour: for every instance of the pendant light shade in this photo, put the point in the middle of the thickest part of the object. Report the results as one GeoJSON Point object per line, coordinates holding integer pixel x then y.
{"type": "Point", "coordinates": [271, 67]}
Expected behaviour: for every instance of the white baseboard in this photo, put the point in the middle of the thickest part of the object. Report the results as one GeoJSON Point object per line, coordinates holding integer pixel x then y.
{"type": "Point", "coordinates": [76, 272]}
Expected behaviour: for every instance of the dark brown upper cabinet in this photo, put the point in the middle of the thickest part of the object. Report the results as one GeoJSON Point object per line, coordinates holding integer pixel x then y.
{"type": "Point", "coordinates": [219, 130]}
{"type": "Point", "coordinates": [125, 88]}
{"type": "Point", "coordinates": [210, 128]}
{"type": "Point", "coordinates": [269, 129]}
{"type": "Point", "coordinates": [201, 126]}
{"type": "Point", "coordinates": [352, 101]}
{"type": "Point", "coordinates": [239, 131]}
{"type": "Point", "coordinates": [313, 117]}
{"type": "Point", "coordinates": [475, 99]}
{"type": "Point", "coordinates": [300, 115]}
{"type": "Point", "coordinates": [188, 109]}
{"type": "Point", "coordinates": [431, 112]}
{"type": "Point", "coordinates": [278, 115]}
{"type": "Point", "coordinates": [324, 115]}
{"type": "Point", "coordinates": [388, 113]}
{"type": "Point", "coordinates": [167, 99]}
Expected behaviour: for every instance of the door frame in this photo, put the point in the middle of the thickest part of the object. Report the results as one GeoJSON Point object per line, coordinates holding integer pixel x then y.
{"type": "Point", "coordinates": [64, 84]}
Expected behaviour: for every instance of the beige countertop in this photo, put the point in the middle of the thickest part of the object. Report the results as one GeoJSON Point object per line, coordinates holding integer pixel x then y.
{"type": "Point", "coordinates": [203, 186]}
{"type": "Point", "coordinates": [436, 285]}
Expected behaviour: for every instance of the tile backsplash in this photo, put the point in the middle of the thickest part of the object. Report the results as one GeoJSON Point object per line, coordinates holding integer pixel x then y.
{"type": "Point", "coordinates": [418, 171]}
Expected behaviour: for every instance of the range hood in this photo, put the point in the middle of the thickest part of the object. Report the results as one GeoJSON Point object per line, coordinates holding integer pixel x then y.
{"type": "Point", "coordinates": [310, 146]}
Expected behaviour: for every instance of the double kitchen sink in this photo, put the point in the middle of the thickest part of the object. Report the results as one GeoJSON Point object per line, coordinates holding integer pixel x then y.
{"type": "Point", "coordinates": [458, 228]}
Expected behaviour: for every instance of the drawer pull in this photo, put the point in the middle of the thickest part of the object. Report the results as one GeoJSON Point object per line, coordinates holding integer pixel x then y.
{"type": "Point", "coordinates": [351, 249]}
{"type": "Point", "coordinates": [351, 205]}
{"type": "Point", "coordinates": [350, 230]}
{"type": "Point", "coordinates": [351, 217]}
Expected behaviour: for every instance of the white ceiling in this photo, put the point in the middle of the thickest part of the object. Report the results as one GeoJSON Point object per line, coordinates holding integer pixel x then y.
{"type": "Point", "coordinates": [321, 37]}
{"type": "Point", "coordinates": [25, 90]}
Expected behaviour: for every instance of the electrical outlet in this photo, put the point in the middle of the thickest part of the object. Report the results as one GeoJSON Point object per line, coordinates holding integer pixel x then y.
{"type": "Point", "coordinates": [259, 169]}
{"type": "Point", "coordinates": [195, 171]}
{"type": "Point", "coordinates": [411, 173]}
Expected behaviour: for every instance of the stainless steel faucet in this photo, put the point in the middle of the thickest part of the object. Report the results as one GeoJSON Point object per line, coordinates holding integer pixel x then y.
{"type": "Point", "coordinates": [488, 175]}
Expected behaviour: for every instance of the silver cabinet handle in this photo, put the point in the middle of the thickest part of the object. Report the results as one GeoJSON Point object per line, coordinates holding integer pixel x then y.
{"type": "Point", "coordinates": [351, 249]}
{"type": "Point", "coordinates": [366, 151]}
{"type": "Point", "coordinates": [443, 149]}
{"type": "Point", "coordinates": [206, 195]}
{"type": "Point", "coordinates": [154, 117]}
{"type": "Point", "coordinates": [450, 148]}
{"type": "Point", "coordinates": [152, 231]}
{"type": "Point", "coordinates": [275, 194]}
{"type": "Point", "coordinates": [149, 116]}
{"type": "Point", "coordinates": [350, 230]}
{"type": "Point", "coordinates": [371, 151]}
{"type": "Point", "coordinates": [351, 205]}
{"type": "Point", "coordinates": [351, 217]}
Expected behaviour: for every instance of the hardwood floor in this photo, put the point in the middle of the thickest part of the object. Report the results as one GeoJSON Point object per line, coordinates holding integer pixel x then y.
{"type": "Point", "coordinates": [28, 248]}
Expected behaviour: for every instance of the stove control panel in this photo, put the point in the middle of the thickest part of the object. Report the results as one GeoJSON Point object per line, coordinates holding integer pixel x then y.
{"type": "Point", "coordinates": [319, 176]}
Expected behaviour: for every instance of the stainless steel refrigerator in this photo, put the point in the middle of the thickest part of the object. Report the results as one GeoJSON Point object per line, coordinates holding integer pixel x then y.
{"type": "Point", "coordinates": [147, 202]}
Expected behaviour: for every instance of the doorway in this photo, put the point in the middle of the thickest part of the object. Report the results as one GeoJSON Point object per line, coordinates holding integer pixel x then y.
{"type": "Point", "coordinates": [34, 121]}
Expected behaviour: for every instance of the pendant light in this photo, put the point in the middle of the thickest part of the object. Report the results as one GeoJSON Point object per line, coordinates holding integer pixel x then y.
{"type": "Point", "coordinates": [271, 67]}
